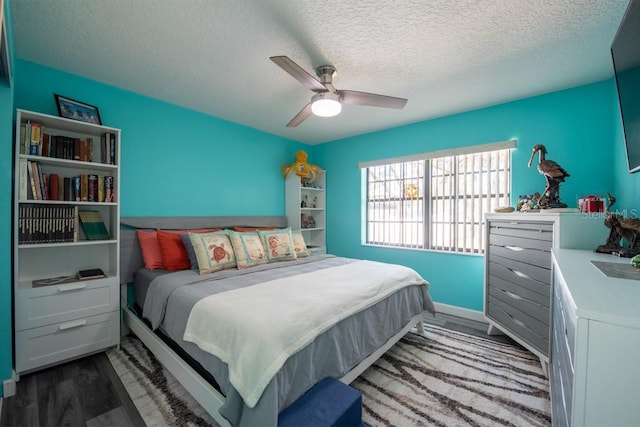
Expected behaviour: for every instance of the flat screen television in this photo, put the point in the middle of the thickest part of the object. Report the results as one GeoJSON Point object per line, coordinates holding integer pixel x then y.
{"type": "Point", "coordinates": [625, 51]}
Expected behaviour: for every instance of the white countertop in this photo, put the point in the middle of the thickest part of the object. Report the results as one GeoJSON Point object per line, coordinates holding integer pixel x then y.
{"type": "Point", "coordinates": [595, 295]}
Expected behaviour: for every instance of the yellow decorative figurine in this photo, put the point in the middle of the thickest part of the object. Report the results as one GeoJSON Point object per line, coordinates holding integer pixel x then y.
{"type": "Point", "coordinates": [302, 168]}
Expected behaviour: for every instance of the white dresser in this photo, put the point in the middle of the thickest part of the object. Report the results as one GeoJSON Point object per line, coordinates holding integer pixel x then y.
{"type": "Point", "coordinates": [595, 369]}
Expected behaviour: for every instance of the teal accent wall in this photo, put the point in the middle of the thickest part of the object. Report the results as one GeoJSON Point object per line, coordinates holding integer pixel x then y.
{"type": "Point", "coordinates": [174, 161]}
{"type": "Point", "coordinates": [6, 212]}
{"type": "Point", "coordinates": [575, 125]}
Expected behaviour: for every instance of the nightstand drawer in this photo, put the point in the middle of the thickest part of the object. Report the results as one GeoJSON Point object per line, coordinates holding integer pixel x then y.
{"type": "Point", "coordinates": [50, 344]}
{"type": "Point", "coordinates": [35, 307]}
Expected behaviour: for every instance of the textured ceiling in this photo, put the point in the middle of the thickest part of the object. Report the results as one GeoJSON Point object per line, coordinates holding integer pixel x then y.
{"type": "Point", "coordinates": [445, 56]}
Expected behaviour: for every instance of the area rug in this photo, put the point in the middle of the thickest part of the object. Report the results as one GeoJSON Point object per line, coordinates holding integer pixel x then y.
{"type": "Point", "coordinates": [453, 379]}
{"type": "Point", "coordinates": [444, 379]}
{"type": "Point", "coordinates": [158, 396]}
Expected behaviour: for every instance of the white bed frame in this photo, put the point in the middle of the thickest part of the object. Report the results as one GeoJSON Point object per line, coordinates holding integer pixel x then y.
{"type": "Point", "coordinates": [202, 391]}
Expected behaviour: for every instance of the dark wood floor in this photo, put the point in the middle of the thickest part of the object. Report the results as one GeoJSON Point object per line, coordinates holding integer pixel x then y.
{"type": "Point", "coordinates": [88, 392]}
{"type": "Point", "coordinates": [84, 392]}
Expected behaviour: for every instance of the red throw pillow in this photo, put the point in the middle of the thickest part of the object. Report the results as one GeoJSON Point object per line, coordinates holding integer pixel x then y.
{"type": "Point", "coordinates": [174, 254]}
{"type": "Point", "coordinates": [150, 249]}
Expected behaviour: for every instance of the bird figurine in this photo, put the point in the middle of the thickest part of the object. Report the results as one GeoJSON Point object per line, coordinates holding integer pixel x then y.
{"type": "Point", "coordinates": [620, 228]}
{"type": "Point", "coordinates": [554, 175]}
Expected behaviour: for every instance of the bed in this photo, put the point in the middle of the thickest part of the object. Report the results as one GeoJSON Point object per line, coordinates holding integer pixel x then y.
{"type": "Point", "coordinates": [174, 309]}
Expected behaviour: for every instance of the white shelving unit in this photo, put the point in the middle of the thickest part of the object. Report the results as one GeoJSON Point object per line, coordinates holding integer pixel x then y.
{"type": "Point", "coordinates": [313, 198]}
{"type": "Point", "coordinates": [54, 323]}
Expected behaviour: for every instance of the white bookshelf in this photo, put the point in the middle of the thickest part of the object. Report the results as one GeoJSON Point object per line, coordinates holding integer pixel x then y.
{"type": "Point", "coordinates": [55, 323]}
{"type": "Point", "coordinates": [314, 198]}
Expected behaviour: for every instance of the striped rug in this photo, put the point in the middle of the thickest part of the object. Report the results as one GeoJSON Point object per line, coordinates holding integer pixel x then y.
{"type": "Point", "coordinates": [445, 379]}
{"type": "Point", "coordinates": [159, 397]}
{"type": "Point", "coordinates": [453, 379]}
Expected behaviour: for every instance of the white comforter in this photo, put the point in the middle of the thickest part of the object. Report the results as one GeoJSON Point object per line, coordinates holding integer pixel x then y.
{"type": "Point", "coordinates": [255, 329]}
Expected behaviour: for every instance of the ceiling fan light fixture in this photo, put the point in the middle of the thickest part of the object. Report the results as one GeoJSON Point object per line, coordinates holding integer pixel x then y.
{"type": "Point", "coordinates": [326, 104]}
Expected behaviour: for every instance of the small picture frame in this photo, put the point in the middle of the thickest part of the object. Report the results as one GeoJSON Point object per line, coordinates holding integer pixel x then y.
{"type": "Point", "coordinates": [76, 110]}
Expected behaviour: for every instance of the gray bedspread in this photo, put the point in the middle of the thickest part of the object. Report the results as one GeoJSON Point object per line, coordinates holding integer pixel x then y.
{"type": "Point", "coordinates": [170, 297]}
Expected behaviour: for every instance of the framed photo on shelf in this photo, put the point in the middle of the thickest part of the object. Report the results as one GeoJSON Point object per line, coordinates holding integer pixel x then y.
{"type": "Point", "coordinates": [76, 110]}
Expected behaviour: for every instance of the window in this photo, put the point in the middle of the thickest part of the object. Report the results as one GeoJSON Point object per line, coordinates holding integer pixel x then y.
{"type": "Point", "coordinates": [436, 200]}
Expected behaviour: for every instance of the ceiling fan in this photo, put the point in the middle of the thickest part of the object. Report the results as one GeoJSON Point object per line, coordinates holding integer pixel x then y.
{"type": "Point", "coordinates": [328, 100]}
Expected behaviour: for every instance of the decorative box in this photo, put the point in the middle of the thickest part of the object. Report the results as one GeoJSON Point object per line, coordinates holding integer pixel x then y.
{"type": "Point", "coordinates": [591, 204]}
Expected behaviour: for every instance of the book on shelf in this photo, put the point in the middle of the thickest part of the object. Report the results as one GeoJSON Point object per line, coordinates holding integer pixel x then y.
{"type": "Point", "coordinates": [35, 135]}
{"type": "Point", "coordinates": [100, 188]}
{"type": "Point", "coordinates": [46, 144]}
{"type": "Point", "coordinates": [24, 180]}
{"type": "Point", "coordinates": [32, 181]}
{"type": "Point", "coordinates": [54, 186]}
{"type": "Point", "coordinates": [76, 195]}
{"type": "Point", "coordinates": [108, 148]}
{"type": "Point", "coordinates": [67, 191]}
{"type": "Point", "coordinates": [94, 273]}
{"type": "Point", "coordinates": [23, 138]}
{"type": "Point", "coordinates": [92, 188]}
{"type": "Point", "coordinates": [44, 185]}
{"type": "Point", "coordinates": [35, 141]}
{"type": "Point", "coordinates": [35, 180]}
{"type": "Point", "coordinates": [47, 223]}
{"type": "Point", "coordinates": [43, 193]}
{"type": "Point", "coordinates": [109, 190]}
{"type": "Point", "coordinates": [92, 225]}
{"type": "Point", "coordinates": [112, 153]}
{"type": "Point", "coordinates": [84, 188]}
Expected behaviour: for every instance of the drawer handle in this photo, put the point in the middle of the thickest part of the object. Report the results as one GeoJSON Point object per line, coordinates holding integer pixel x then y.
{"type": "Point", "coordinates": [515, 248]}
{"type": "Point", "coordinates": [72, 287]}
{"type": "Point", "coordinates": [512, 295]}
{"type": "Point", "coordinates": [520, 274]}
{"type": "Point", "coordinates": [517, 322]}
{"type": "Point", "coordinates": [71, 325]}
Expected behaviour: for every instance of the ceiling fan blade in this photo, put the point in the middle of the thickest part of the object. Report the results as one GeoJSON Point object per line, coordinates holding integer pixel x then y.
{"type": "Point", "coordinates": [371, 99]}
{"type": "Point", "coordinates": [298, 73]}
{"type": "Point", "coordinates": [300, 117]}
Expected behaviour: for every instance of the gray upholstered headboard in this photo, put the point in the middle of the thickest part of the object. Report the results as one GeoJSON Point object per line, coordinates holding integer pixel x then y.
{"type": "Point", "coordinates": [131, 256]}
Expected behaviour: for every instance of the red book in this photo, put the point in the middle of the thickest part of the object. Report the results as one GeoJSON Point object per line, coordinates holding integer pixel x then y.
{"type": "Point", "coordinates": [53, 186]}
{"type": "Point", "coordinates": [46, 143]}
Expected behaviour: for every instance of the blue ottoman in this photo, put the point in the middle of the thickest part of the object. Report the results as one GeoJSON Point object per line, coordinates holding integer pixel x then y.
{"type": "Point", "coordinates": [328, 403]}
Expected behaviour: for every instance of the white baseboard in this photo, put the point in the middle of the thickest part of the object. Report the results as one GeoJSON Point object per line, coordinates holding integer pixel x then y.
{"type": "Point", "coordinates": [9, 386]}
{"type": "Point", "coordinates": [465, 313]}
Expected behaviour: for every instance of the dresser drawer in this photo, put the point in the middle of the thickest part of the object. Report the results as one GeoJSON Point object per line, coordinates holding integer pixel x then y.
{"type": "Point", "coordinates": [35, 307]}
{"type": "Point", "coordinates": [512, 296]}
{"type": "Point", "coordinates": [529, 251]}
{"type": "Point", "coordinates": [529, 230]}
{"type": "Point", "coordinates": [522, 273]}
{"type": "Point", "coordinates": [533, 331]}
{"type": "Point", "coordinates": [502, 278]}
{"type": "Point", "coordinates": [50, 344]}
